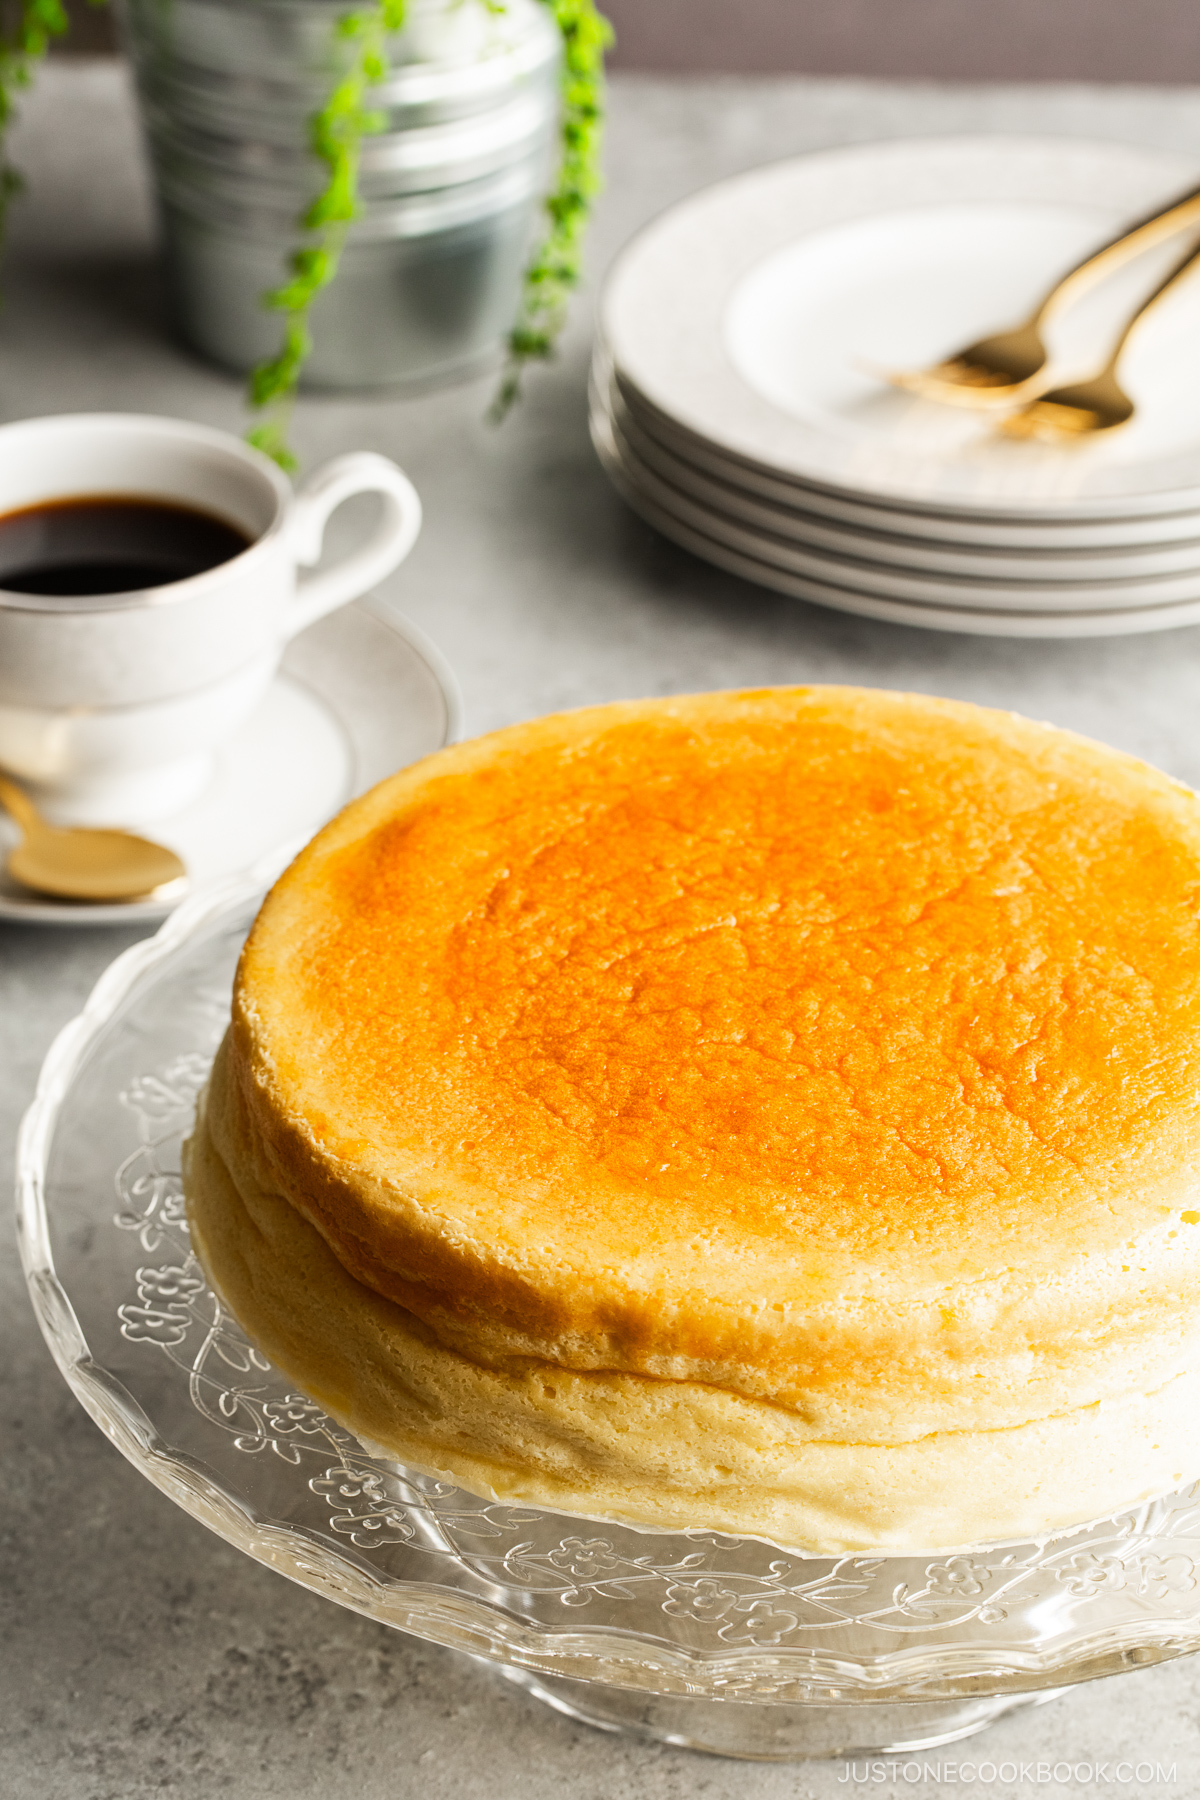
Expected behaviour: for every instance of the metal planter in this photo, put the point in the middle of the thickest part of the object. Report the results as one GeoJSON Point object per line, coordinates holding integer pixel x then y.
{"type": "Point", "coordinates": [430, 275]}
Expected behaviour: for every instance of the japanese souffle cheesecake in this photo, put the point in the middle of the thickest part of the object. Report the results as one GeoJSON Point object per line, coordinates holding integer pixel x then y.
{"type": "Point", "coordinates": [775, 1112]}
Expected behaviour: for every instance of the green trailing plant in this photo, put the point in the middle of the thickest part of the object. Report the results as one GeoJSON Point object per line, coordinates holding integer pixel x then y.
{"type": "Point", "coordinates": [336, 134]}
{"type": "Point", "coordinates": [555, 270]}
{"type": "Point", "coordinates": [23, 43]}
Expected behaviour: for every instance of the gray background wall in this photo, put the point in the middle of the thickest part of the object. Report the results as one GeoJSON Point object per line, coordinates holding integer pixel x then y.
{"type": "Point", "coordinates": [978, 40]}
{"type": "Point", "coordinates": [1000, 40]}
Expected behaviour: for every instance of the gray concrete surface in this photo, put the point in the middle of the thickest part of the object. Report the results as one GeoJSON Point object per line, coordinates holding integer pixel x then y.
{"type": "Point", "coordinates": [139, 1655]}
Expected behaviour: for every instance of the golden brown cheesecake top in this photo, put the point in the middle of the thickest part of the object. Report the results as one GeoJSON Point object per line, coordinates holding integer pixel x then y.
{"type": "Point", "coordinates": [748, 1036]}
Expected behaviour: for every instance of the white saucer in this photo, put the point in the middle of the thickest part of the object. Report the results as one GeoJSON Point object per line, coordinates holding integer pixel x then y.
{"type": "Point", "coordinates": [360, 694]}
{"type": "Point", "coordinates": [747, 312]}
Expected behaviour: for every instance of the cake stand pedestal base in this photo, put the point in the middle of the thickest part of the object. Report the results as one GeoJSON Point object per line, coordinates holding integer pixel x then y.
{"type": "Point", "coordinates": [762, 1732]}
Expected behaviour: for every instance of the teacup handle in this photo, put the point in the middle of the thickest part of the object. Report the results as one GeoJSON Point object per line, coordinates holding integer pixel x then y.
{"type": "Point", "coordinates": [361, 472]}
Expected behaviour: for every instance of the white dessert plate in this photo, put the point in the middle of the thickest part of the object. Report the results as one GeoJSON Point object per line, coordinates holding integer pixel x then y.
{"type": "Point", "coordinates": [976, 531]}
{"type": "Point", "coordinates": [360, 694]}
{"type": "Point", "coordinates": [974, 622]}
{"type": "Point", "coordinates": [921, 587]}
{"type": "Point", "coordinates": [862, 543]}
{"type": "Point", "coordinates": [747, 314]}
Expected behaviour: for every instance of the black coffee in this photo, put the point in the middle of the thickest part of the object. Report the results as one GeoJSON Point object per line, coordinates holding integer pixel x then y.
{"type": "Point", "coordinates": [110, 544]}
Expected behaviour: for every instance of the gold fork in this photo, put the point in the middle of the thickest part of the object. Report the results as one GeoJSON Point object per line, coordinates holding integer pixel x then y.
{"type": "Point", "coordinates": [1100, 403]}
{"type": "Point", "coordinates": [1006, 367]}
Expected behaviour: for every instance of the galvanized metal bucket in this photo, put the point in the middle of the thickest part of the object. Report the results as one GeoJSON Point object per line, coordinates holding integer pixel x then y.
{"type": "Point", "coordinates": [430, 275]}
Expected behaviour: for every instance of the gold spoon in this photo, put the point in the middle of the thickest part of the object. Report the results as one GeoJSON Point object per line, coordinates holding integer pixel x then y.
{"type": "Point", "coordinates": [1100, 403]}
{"type": "Point", "coordinates": [79, 863]}
{"type": "Point", "coordinates": [1007, 367]}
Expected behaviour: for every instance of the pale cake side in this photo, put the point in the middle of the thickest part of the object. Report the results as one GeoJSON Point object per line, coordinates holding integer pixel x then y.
{"type": "Point", "coordinates": [672, 1454]}
{"type": "Point", "coordinates": [838, 1051]}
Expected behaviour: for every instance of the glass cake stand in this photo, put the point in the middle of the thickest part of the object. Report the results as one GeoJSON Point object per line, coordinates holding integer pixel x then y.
{"type": "Point", "coordinates": [717, 1643]}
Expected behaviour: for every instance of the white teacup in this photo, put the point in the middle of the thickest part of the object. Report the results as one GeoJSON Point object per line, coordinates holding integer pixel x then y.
{"type": "Point", "coordinates": [111, 705]}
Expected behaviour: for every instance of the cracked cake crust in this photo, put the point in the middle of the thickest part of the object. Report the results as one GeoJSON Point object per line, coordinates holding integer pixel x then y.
{"type": "Point", "coordinates": [836, 1049]}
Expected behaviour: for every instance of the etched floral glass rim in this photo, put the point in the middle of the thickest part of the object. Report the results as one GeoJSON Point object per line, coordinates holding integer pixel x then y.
{"type": "Point", "coordinates": [692, 1613]}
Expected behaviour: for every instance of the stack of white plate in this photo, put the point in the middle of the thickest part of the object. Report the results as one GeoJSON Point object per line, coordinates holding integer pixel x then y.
{"type": "Point", "coordinates": [733, 402]}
